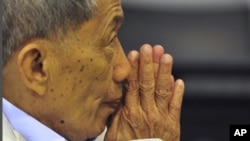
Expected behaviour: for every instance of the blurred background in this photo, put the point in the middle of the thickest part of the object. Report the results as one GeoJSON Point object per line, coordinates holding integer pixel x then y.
{"type": "Point", "coordinates": [210, 43]}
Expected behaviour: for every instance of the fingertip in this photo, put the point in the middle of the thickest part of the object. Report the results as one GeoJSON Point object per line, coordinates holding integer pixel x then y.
{"type": "Point", "coordinates": [146, 49]}
{"type": "Point", "coordinates": [133, 55]}
{"type": "Point", "coordinates": [146, 44]}
{"type": "Point", "coordinates": [167, 58]}
{"type": "Point", "coordinates": [158, 51]}
{"type": "Point", "coordinates": [180, 84]}
{"type": "Point", "coordinates": [158, 48]}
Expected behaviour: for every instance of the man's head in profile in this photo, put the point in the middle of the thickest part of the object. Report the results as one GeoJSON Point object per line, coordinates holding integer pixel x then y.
{"type": "Point", "coordinates": [63, 62]}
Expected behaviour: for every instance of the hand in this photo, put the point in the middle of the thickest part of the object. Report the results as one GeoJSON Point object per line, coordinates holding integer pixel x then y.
{"type": "Point", "coordinates": [152, 103]}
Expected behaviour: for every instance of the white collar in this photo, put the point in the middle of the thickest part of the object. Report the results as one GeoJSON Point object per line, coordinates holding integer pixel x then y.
{"type": "Point", "coordinates": [30, 128]}
{"type": "Point", "coordinates": [27, 126]}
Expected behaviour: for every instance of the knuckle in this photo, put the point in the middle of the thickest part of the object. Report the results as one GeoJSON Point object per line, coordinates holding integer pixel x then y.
{"type": "Point", "coordinates": [162, 92]}
{"type": "Point", "coordinates": [132, 85]}
{"type": "Point", "coordinates": [146, 84]}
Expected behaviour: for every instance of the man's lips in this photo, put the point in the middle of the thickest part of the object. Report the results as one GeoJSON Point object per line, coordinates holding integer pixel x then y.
{"type": "Point", "coordinates": [114, 103]}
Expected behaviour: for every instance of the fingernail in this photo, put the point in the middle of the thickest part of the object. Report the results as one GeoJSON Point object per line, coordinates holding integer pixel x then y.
{"type": "Point", "coordinates": [165, 58]}
{"type": "Point", "coordinates": [133, 55]}
{"type": "Point", "coordinates": [146, 49]}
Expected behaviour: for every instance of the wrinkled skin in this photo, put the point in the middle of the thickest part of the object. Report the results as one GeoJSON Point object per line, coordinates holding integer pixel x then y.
{"type": "Point", "coordinates": [153, 99]}
{"type": "Point", "coordinates": [69, 85]}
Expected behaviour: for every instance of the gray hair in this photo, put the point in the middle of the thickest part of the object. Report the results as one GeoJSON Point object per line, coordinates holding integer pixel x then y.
{"type": "Point", "coordinates": [25, 19]}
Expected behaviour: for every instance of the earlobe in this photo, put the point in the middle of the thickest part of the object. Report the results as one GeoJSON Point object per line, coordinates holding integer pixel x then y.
{"type": "Point", "coordinates": [31, 66]}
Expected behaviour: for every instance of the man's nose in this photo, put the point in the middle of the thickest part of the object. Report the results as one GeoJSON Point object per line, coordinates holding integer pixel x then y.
{"type": "Point", "coordinates": [121, 67]}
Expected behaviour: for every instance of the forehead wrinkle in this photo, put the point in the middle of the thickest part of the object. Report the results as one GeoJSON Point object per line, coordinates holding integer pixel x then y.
{"type": "Point", "coordinates": [114, 16]}
{"type": "Point", "coordinates": [112, 11]}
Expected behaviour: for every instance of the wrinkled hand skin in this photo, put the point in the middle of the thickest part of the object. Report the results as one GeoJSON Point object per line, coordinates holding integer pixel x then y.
{"type": "Point", "coordinates": [152, 104]}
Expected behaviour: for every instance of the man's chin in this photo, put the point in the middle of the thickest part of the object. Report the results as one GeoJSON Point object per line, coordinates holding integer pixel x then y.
{"type": "Point", "coordinates": [98, 130]}
{"type": "Point", "coordinates": [100, 136]}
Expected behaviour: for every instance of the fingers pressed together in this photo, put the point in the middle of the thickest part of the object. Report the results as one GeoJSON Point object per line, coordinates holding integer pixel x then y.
{"type": "Point", "coordinates": [151, 83]}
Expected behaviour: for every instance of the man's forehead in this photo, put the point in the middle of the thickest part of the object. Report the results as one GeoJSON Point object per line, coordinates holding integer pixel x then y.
{"type": "Point", "coordinates": [108, 4]}
{"type": "Point", "coordinates": [110, 9]}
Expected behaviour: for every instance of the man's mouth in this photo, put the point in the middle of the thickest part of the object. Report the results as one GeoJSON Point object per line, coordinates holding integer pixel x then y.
{"type": "Point", "coordinates": [115, 104]}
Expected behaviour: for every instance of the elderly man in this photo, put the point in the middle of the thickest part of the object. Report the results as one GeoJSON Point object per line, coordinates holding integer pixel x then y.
{"type": "Point", "coordinates": [63, 72]}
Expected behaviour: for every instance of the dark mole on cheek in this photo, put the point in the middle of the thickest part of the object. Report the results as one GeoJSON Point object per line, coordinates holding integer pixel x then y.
{"type": "Point", "coordinates": [80, 81]}
{"type": "Point", "coordinates": [62, 121]}
{"type": "Point", "coordinates": [82, 68]}
{"type": "Point", "coordinates": [79, 61]}
{"type": "Point", "coordinates": [52, 90]}
{"type": "Point", "coordinates": [70, 71]}
{"type": "Point", "coordinates": [91, 60]}
{"type": "Point", "coordinates": [96, 78]}
{"type": "Point", "coordinates": [61, 95]}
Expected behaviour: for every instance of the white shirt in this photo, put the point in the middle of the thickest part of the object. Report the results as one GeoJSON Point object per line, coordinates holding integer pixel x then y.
{"type": "Point", "coordinates": [27, 126]}
{"type": "Point", "coordinates": [33, 130]}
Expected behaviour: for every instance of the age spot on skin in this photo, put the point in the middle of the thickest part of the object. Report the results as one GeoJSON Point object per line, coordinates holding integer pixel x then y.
{"type": "Point", "coordinates": [62, 121]}
{"type": "Point", "coordinates": [82, 68]}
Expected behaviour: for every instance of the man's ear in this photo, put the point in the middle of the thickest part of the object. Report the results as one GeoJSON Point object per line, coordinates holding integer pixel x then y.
{"type": "Point", "coordinates": [31, 65]}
